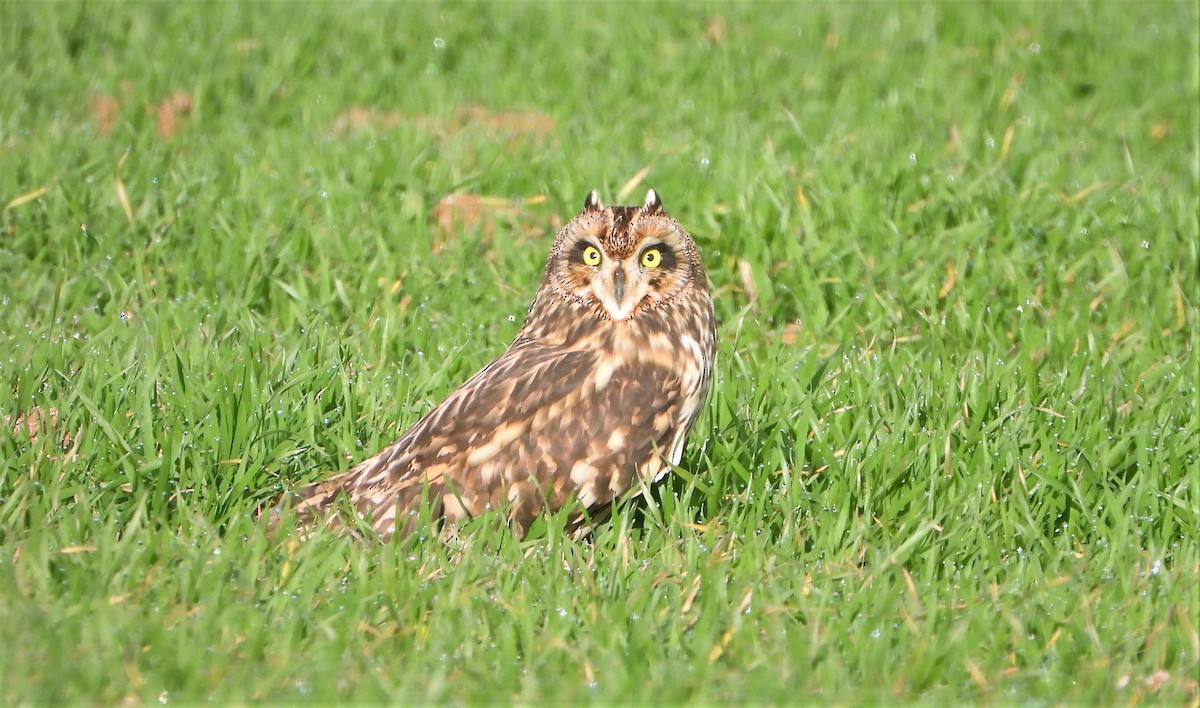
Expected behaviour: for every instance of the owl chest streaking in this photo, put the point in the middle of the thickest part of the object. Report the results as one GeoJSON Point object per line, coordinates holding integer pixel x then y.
{"type": "Point", "coordinates": [597, 392]}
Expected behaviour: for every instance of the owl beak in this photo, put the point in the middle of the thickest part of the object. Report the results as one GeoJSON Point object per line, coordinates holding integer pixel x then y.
{"type": "Point", "coordinates": [619, 285]}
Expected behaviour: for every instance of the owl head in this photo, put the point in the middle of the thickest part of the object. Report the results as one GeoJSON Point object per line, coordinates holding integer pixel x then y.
{"type": "Point", "coordinates": [621, 261]}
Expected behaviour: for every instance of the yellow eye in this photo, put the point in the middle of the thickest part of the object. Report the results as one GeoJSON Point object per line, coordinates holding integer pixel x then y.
{"type": "Point", "coordinates": [652, 258]}
{"type": "Point", "coordinates": [591, 256]}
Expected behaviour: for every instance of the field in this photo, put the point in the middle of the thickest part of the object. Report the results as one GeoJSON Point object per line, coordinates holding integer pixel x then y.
{"type": "Point", "coordinates": [951, 454]}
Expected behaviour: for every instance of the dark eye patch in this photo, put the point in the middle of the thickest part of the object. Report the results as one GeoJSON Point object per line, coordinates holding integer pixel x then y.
{"type": "Point", "coordinates": [668, 256]}
{"type": "Point", "coordinates": [576, 255]}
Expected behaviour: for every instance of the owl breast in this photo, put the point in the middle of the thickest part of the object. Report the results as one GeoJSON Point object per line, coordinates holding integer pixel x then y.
{"type": "Point", "coordinates": [680, 341]}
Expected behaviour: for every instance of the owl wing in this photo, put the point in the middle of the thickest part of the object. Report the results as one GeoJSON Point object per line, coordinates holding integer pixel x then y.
{"type": "Point", "coordinates": [540, 426]}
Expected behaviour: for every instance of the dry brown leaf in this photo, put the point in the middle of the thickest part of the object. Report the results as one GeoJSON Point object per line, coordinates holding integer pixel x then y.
{"type": "Point", "coordinates": [38, 421]}
{"type": "Point", "coordinates": [1156, 680]}
{"type": "Point", "coordinates": [802, 199]}
{"type": "Point", "coordinates": [171, 112]}
{"type": "Point", "coordinates": [691, 597]}
{"type": "Point", "coordinates": [976, 674]}
{"type": "Point", "coordinates": [455, 213]}
{"type": "Point", "coordinates": [948, 284]}
{"type": "Point", "coordinates": [715, 29]}
{"type": "Point", "coordinates": [463, 211]}
{"type": "Point", "coordinates": [34, 421]}
{"type": "Point", "coordinates": [1006, 143]}
{"type": "Point", "coordinates": [105, 110]}
{"type": "Point", "coordinates": [746, 272]}
{"type": "Point", "coordinates": [514, 124]}
{"type": "Point", "coordinates": [953, 138]}
{"type": "Point", "coordinates": [719, 648]}
{"type": "Point", "coordinates": [359, 118]}
{"type": "Point", "coordinates": [25, 198]}
{"type": "Point", "coordinates": [1081, 194]}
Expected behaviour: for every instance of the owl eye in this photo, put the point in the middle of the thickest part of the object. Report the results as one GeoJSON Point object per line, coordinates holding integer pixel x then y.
{"type": "Point", "coordinates": [652, 258]}
{"type": "Point", "coordinates": [591, 256]}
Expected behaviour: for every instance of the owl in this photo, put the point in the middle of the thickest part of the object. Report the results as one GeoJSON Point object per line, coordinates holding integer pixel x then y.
{"type": "Point", "coordinates": [595, 396]}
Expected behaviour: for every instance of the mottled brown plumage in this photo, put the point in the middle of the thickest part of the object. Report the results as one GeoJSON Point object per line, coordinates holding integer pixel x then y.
{"type": "Point", "coordinates": [597, 392]}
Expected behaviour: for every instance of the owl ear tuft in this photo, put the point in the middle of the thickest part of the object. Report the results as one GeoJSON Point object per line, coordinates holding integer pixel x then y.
{"type": "Point", "coordinates": [653, 203]}
{"type": "Point", "coordinates": [592, 201]}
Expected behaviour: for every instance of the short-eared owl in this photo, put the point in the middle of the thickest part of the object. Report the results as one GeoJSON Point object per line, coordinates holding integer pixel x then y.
{"type": "Point", "coordinates": [597, 392]}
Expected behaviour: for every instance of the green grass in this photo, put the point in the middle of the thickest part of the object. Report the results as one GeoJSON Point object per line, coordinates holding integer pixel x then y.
{"type": "Point", "coordinates": [952, 450]}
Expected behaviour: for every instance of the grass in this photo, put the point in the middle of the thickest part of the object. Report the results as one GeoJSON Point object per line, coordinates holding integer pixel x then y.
{"type": "Point", "coordinates": [951, 454]}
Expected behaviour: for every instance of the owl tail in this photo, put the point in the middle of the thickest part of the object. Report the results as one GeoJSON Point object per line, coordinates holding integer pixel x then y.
{"type": "Point", "coordinates": [310, 505]}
